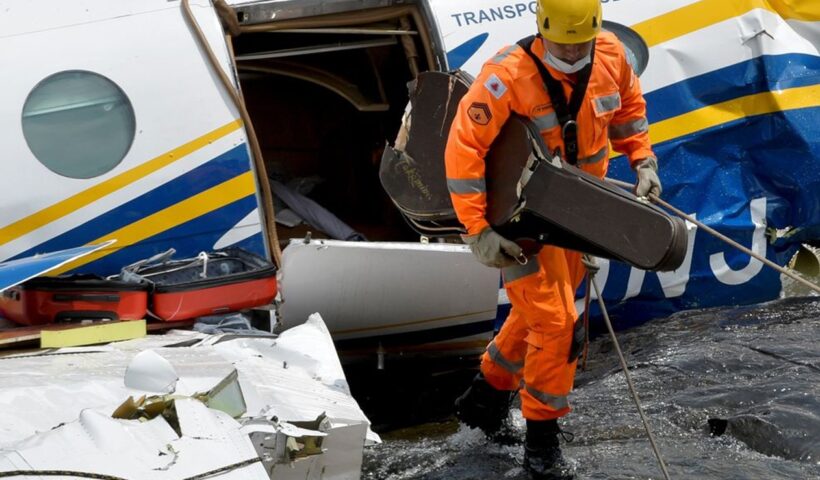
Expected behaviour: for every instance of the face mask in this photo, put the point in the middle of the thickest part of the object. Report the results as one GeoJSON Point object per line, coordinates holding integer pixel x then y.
{"type": "Point", "coordinates": [565, 67]}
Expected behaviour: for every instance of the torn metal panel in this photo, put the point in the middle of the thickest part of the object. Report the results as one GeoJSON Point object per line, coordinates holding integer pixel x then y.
{"type": "Point", "coordinates": [129, 446]}
{"type": "Point", "coordinates": [282, 443]}
{"type": "Point", "coordinates": [226, 396]}
{"type": "Point", "coordinates": [96, 443]}
{"type": "Point", "coordinates": [296, 377]}
{"type": "Point", "coordinates": [14, 272]}
{"type": "Point", "coordinates": [305, 351]}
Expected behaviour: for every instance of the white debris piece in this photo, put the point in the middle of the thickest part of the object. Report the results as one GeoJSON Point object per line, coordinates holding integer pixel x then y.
{"type": "Point", "coordinates": [130, 449]}
{"type": "Point", "coordinates": [300, 420]}
{"type": "Point", "coordinates": [150, 372]}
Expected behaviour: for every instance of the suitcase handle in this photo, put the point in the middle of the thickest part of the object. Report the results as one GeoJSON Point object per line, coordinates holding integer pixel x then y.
{"type": "Point", "coordinates": [78, 316]}
{"type": "Point", "coordinates": [12, 294]}
{"type": "Point", "coordinates": [74, 297]}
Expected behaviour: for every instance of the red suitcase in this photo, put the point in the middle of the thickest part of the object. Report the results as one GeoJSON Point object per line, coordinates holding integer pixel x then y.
{"type": "Point", "coordinates": [46, 300]}
{"type": "Point", "coordinates": [228, 280]}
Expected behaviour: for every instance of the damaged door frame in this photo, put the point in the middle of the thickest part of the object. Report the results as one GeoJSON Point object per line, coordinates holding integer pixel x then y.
{"type": "Point", "coordinates": [357, 22]}
{"type": "Point", "coordinates": [344, 22]}
{"type": "Point", "coordinates": [338, 23]}
{"type": "Point", "coordinates": [266, 203]}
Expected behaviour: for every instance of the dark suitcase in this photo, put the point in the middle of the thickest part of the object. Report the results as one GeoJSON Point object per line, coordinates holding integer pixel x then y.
{"type": "Point", "coordinates": [562, 205]}
{"type": "Point", "coordinates": [530, 198]}
{"type": "Point", "coordinates": [223, 281]}
{"type": "Point", "coordinates": [46, 300]}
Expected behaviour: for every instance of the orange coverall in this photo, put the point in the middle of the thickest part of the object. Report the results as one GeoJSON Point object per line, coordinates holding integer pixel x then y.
{"type": "Point", "coordinates": [535, 340]}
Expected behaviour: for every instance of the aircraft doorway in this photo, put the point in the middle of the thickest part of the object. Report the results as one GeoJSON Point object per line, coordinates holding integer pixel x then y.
{"type": "Point", "coordinates": [323, 99]}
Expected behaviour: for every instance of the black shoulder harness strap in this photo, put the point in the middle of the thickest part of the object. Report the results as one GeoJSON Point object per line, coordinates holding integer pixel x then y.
{"type": "Point", "coordinates": [567, 113]}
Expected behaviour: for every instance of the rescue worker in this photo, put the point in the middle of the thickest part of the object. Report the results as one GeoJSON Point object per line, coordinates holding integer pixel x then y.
{"type": "Point", "coordinates": [602, 103]}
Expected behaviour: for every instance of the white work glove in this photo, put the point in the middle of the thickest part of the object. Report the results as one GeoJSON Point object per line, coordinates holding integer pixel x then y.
{"type": "Point", "coordinates": [493, 250]}
{"type": "Point", "coordinates": [648, 181]}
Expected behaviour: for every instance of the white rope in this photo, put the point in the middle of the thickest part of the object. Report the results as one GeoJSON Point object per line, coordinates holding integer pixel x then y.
{"type": "Point", "coordinates": [625, 368]}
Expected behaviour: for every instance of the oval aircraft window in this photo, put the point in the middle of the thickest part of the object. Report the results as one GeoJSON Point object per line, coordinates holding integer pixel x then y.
{"type": "Point", "coordinates": [637, 53]}
{"type": "Point", "coordinates": [78, 124]}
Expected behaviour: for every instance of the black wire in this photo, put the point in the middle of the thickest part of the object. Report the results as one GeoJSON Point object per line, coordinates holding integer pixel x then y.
{"type": "Point", "coordinates": [57, 473]}
{"type": "Point", "coordinates": [226, 468]}
{"type": "Point", "coordinates": [102, 476]}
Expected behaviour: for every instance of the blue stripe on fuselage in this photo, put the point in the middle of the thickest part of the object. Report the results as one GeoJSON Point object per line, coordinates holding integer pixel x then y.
{"type": "Point", "coordinates": [226, 166]}
{"type": "Point", "coordinates": [718, 170]}
{"type": "Point", "coordinates": [761, 74]}
{"type": "Point", "coordinates": [188, 239]}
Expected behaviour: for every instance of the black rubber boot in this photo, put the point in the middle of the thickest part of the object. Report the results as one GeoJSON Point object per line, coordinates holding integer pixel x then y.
{"type": "Point", "coordinates": [542, 452]}
{"type": "Point", "coordinates": [484, 407]}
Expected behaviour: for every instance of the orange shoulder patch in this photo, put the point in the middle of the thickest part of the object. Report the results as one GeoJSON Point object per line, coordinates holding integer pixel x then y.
{"type": "Point", "coordinates": [479, 113]}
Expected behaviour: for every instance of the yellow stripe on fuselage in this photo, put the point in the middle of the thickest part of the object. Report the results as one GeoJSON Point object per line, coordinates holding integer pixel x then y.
{"type": "Point", "coordinates": [75, 202]}
{"type": "Point", "coordinates": [720, 113]}
{"type": "Point", "coordinates": [212, 199]}
{"type": "Point", "coordinates": [731, 110]}
{"type": "Point", "coordinates": [702, 14]}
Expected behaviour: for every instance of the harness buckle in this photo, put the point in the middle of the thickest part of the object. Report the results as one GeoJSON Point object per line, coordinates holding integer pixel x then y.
{"type": "Point", "coordinates": [567, 126]}
{"type": "Point", "coordinates": [569, 133]}
{"type": "Point", "coordinates": [566, 129]}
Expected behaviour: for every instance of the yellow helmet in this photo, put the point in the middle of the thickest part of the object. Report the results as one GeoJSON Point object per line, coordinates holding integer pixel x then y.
{"type": "Point", "coordinates": [569, 21]}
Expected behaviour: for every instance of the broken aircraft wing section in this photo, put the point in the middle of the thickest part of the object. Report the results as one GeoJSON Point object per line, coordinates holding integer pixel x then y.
{"type": "Point", "coordinates": [237, 407]}
{"type": "Point", "coordinates": [15, 272]}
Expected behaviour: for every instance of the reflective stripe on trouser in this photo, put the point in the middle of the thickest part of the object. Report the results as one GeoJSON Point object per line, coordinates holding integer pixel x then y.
{"type": "Point", "coordinates": [503, 361]}
{"type": "Point", "coordinates": [538, 332]}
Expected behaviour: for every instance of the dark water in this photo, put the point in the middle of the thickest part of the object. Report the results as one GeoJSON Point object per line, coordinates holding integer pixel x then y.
{"type": "Point", "coordinates": [730, 394]}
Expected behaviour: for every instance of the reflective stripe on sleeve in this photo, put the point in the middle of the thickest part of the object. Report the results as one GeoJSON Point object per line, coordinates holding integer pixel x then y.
{"type": "Point", "coordinates": [466, 185]}
{"type": "Point", "coordinates": [501, 56]}
{"type": "Point", "coordinates": [626, 130]}
{"type": "Point", "coordinates": [556, 402]}
{"type": "Point", "coordinates": [546, 121]}
{"type": "Point", "coordinates": [498, 358]}
{"type": "Point", "coordinates": [516, 271]}
{"type": "Point", "coordinates": [594, 158]}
